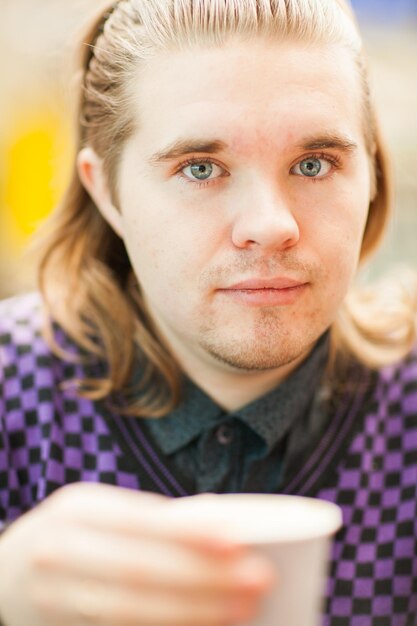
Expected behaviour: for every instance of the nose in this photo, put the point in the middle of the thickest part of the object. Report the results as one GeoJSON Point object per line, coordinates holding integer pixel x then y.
{"type": "Point", "coordinates": [265, 218]}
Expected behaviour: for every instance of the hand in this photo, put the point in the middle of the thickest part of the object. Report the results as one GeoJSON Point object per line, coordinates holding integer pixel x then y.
{"type": "Point", "coordinates": [102, 555]}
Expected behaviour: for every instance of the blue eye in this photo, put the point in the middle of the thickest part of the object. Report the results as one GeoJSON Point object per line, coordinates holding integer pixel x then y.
{"type": "Point", "coordinates": [202, 171]}
{"type": "Point", "coordinates": [312, 167]}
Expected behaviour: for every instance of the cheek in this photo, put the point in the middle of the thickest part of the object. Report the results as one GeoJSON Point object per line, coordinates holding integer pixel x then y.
{"type": "Point", "coordinates": [341, 257]}
{"type": "Point", "coordinates": [334, 233]}
{"type": "Point", "coordinates": [152, 256]}
{"type": "Point", "coordinates": [168, 231]}
{"type": "Point", "coordinates": [169, 254]}
{"type": "Point", "coordinates": [347, 208]}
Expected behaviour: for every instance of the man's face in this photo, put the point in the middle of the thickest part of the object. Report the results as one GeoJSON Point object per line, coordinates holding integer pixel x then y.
{"type": "Point", "coordinates": [245, 243]}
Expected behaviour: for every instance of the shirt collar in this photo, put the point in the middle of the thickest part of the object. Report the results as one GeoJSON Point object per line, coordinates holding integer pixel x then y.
{"type": "Point", "coordinates": [272, 415]}
{"type": "Point", "coordinates": [196, 413]}
{"type": "Point", "coordinates": [269, 416]}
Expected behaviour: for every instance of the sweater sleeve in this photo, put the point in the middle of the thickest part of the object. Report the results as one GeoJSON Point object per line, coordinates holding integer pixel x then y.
{"type": "Point", "coordinates": [8, 474]}
{"type": "Point", "coordinates": [18, 333]}
{"type": "Point", "coordinates": [4, 457]}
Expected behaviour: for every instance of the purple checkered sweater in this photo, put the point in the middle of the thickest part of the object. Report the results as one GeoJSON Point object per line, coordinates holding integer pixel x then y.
{"type": "Point", "coordinates": [366, 461]}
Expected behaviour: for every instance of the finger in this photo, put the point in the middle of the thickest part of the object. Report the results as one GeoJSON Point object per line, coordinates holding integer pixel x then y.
{"type": "Point", "coordinates": [106, 605]}
{"type": "Point", "coordinates": [139, 514]}
{"type": "Point", "coordinates": [146, 563]}
{"type": "Point", "coordinates": [170, 609]}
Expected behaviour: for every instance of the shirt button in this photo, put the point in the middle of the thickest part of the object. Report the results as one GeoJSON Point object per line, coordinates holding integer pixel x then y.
{"type": "Point", "coordinates": [224, 434]}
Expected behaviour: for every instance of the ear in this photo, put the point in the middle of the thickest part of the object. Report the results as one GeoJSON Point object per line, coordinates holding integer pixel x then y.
{"type": "Point", "coordinates": [90, 171]}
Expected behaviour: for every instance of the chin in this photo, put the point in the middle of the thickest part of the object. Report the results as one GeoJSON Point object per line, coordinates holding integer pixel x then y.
{"type": "Point", "coordinates": [256, 356]}
{"type": "Point", "coordinates": [273, 340]}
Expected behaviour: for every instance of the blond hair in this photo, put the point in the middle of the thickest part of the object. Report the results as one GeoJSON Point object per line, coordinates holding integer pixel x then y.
{"type": "Point", "coordinates": [99, 304]}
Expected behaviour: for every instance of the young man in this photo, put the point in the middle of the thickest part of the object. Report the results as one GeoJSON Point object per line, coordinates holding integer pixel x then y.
{"type": "Point", "coordinates": [198, 329]}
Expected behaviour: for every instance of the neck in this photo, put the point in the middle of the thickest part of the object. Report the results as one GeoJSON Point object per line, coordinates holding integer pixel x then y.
{"type": "Point", "coordinates": [231, 388]}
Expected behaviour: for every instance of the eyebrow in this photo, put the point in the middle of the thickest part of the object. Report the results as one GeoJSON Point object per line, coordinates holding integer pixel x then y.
{"type": "Point", "coordinates": [183, 147]}
{"type": "Point", "coordinates": [187, 146]}
{"type": "Point", "coordinates": [329, 140]}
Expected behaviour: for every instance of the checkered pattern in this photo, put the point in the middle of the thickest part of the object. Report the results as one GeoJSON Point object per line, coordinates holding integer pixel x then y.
{"type": "Point", "coordinates": [50, 437]}
{"type": "Point", "coordinates": [374, 568]}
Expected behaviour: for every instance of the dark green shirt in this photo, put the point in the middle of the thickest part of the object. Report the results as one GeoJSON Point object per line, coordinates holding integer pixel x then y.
{"type": "Point", "coordinates": [248, 449]}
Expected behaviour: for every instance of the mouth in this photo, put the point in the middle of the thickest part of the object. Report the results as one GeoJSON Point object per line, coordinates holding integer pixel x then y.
{"type": "Point", "coordinates": [264, 292]}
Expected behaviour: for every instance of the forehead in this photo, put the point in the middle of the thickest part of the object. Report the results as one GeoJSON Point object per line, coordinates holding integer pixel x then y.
{"type": "Point", "coordinates": [250, 93]}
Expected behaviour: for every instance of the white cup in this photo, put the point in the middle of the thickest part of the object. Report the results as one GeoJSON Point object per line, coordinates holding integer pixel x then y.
{"type": "Point", "coordinates": [293, 532]}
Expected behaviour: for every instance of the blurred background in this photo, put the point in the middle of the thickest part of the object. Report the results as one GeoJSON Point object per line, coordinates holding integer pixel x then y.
{"type": "Point", "coordinates": [36, 39]}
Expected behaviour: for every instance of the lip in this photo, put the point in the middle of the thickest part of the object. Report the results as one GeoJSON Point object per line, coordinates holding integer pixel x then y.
{"type": "Point", "coordinates": [277, 282]}
{"type": "Point", "coordinates": [266, 292]}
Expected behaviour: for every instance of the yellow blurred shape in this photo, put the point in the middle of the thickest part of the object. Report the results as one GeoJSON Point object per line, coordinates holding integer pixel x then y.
{"type": "Point", "coordinates": [37, 160]}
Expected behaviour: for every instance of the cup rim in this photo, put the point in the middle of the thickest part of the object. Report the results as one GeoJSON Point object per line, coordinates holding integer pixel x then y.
{"type": "Point", "coordinates": [330, 523]}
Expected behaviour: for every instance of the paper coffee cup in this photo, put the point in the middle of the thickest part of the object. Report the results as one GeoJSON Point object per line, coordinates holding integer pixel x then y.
{"type": "Point", "coordinates": [295, 535]}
